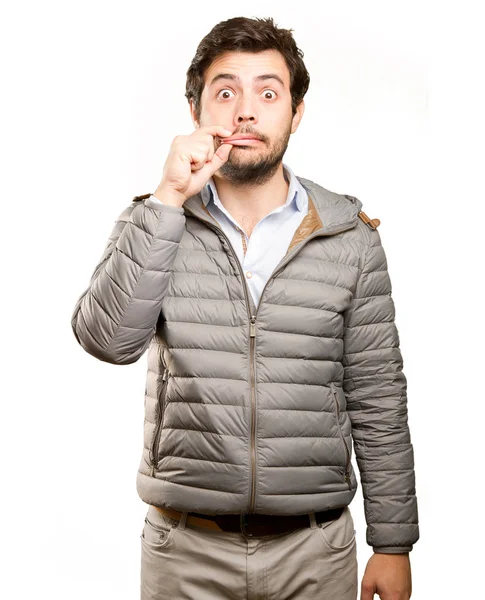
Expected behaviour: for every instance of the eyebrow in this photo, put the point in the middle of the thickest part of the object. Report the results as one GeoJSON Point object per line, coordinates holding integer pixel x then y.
{"type": "Point", "coordinates": [237, 78]}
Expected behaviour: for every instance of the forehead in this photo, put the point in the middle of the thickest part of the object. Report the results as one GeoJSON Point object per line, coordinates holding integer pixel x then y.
{"type": "Point", "coordinates": [247, 66]}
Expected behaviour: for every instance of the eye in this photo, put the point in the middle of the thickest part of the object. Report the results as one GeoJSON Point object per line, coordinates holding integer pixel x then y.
{"type": "Point", "coordinates": [272, 92]}
{"type": "Point", "coordinates": [225, 90]}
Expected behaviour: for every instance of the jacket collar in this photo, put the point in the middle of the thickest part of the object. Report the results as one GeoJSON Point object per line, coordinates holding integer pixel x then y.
{"type": "Point", "coordinates": [328, 212]}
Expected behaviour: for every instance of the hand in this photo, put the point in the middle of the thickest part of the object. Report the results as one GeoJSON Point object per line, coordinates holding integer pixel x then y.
{"type": "Point", "coordinates": [191, 162]}
{"type": "Point", "coordinates": [388, 575]}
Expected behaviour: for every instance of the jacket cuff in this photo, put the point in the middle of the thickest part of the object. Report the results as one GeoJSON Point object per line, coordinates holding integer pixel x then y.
{"type": "Point", "coordinates": [392, 549]}
{"type": "Point", "coordinates": [154, 202]}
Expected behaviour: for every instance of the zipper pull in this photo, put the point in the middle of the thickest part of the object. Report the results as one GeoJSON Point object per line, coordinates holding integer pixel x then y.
{"type": "Point", "coordinates": [165, 374]}
{"type": "Point", "coordinates": [253, 326]}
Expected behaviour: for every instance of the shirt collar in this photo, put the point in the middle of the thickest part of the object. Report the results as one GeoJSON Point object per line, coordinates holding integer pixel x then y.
{"type": "Point", "coordinates": [296, 192]}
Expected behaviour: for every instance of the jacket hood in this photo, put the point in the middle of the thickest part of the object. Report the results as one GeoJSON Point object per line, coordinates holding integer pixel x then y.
{"type": "Point", "coordinates": [334, 209]}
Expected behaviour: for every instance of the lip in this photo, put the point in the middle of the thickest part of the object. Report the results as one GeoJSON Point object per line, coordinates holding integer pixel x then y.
{"type": "Point", "coordinates": [241, 141]}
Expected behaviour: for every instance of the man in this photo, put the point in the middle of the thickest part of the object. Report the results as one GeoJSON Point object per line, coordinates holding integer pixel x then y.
{"type": "Point", "coordinates": [265, 304]}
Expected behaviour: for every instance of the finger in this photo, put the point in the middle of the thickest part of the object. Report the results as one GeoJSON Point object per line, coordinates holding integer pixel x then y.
{"type": "Point", "coordinates": [365, 594]}
{"type": "Point", "coordinates": [215, 130]}
{"type": "Point", "coordinates": [219, 158]}
{"type": "Point", "coordinates": [201, 154]}
{"type": "Point", "coordinates": [206, 148]}
{"type": "Point", "coordinates": [197, 160]}
{"type": "Point", "coordinates": [210, 153]}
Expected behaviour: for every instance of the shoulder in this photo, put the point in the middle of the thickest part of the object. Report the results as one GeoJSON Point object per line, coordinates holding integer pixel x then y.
{"type": "Point", "coordinates": [372, 223]}
{"type": "Point", "coordinates": [125, 215]}
{"type": "Point", "coordinates": [366, 230]}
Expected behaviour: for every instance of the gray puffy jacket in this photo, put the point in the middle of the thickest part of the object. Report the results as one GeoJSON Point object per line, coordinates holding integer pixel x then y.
{"type": "Point", "coordinates": [257, 409]}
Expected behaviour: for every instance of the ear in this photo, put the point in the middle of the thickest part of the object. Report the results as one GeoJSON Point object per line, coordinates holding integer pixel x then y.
{"type": "Point", "coordinates": [193, 114]}
{"type": "Point", "coordinates": [300, 109]}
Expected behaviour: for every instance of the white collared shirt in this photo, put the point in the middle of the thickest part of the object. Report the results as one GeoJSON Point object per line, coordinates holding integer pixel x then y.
{"type": "Point", "coordinates": [270, 238]}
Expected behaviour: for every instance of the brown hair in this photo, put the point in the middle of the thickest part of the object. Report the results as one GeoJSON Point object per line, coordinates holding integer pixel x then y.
{"type": "Point", "coordinates": [247, 35]}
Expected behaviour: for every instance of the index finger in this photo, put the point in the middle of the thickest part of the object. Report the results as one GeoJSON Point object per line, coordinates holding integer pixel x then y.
{"type": "Point", "coordinates": [215, 130]}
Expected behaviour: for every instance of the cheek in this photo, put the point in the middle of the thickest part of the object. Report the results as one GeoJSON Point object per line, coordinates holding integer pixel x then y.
{"type": "Point", "coordinates": [215, 111]}
{"type": "Point", "coordinates": [210, 115]}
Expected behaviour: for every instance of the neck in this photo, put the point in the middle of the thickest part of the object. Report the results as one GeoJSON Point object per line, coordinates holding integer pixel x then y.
{"type": "Point", "coordinates": [254, 202]}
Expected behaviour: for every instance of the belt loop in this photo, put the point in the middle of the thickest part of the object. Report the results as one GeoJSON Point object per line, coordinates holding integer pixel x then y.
{"type": "Point", "coordinates": [313, 521]}
{"type": "Point", "coordinates": [183, 519]}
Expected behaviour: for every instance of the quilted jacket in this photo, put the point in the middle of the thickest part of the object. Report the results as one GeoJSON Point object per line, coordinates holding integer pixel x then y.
{"type": "Point", "coordinates": [258, 409]}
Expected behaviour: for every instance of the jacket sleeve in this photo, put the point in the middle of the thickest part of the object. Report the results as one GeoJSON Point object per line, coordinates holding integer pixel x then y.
{"type": "Point", "coordinates": [153, 201]}
{"type": "Point", "coordinates": [376, 392]}
{"type": "Point", "coordinates": [115, 318]}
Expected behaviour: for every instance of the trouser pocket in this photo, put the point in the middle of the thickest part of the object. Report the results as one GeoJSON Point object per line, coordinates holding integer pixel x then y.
{"type": "Point", "coordinates": [158, 529]}
{"type": "Point", "coordinates": [339, 533]}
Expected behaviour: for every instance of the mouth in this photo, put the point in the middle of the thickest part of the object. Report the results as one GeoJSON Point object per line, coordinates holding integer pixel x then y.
{"type": "Point", "coordinates": [241, 141]}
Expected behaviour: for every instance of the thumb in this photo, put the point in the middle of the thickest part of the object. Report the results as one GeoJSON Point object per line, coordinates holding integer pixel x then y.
{"type": "Point", "coordinates": [218, 159]}
{"type": "Point", "coordinates": [220, 156]}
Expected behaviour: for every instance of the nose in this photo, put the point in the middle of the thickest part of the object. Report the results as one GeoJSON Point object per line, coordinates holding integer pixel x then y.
{"type": "Point", "coordinates": [242, 118]}
{"type": "Point", "coordinates": [245, 111]}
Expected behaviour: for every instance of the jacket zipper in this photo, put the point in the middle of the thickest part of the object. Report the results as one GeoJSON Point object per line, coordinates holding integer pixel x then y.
{"type": "Point", "coordinates": [252, 330]}
{"type": "Point", "coordinates": [347, 477]}
{"type": "Point", "coordinates": [285, 260]}
{"type": "Point", "coordinates": [252, 335]}
{"type": "Point", "coordinates": [161, 408]}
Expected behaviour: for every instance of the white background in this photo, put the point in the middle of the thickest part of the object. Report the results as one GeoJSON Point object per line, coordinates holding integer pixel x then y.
{"type": "Point", "coordinates": [93, 94]}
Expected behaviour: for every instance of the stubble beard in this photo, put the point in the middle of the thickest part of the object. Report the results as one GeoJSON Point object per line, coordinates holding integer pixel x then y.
{"type": "Point", "coordinates": [245, 166]}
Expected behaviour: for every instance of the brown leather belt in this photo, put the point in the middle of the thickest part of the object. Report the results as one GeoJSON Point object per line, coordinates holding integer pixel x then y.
{"type": "Point", "coordinates": [252, 525]}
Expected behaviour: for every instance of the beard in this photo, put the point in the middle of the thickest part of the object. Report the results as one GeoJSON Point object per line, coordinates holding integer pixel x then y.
{"type": "Point", "coordinates": [247, 166]}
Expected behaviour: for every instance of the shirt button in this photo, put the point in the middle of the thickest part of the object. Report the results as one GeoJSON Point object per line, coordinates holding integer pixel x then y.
{"type": "Point", "coordinates": [249, 274]}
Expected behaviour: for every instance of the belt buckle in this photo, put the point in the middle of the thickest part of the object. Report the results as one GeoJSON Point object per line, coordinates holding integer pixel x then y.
{"type": "Point", "coordinates": [244, 525]}
{"type": "Point", "coordinates": [250, 527]}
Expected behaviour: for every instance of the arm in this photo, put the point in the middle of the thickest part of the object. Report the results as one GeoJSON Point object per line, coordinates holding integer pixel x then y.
{"type": "Point", "coordinates": [376, 392]}
{"type": "Point", "coordinates": [115, 318]}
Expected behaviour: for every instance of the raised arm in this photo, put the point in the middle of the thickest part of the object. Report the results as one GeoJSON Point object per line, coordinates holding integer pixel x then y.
{"type": "Point", "coordinates": [115, 317]}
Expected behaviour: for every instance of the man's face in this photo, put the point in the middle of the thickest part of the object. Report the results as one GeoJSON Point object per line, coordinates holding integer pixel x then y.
{"type": "Point", "coordinates": [235, 98]}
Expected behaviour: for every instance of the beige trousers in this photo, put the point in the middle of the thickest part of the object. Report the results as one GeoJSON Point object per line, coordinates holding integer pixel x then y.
{"type": "Point", "coordinates": [186, 562]}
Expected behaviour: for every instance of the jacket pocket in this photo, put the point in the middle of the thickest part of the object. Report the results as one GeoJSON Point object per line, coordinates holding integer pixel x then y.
{"type": "Point", "coordinates": [347, 472]}
{"type": "Point", "coordinates": [159, 420]}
